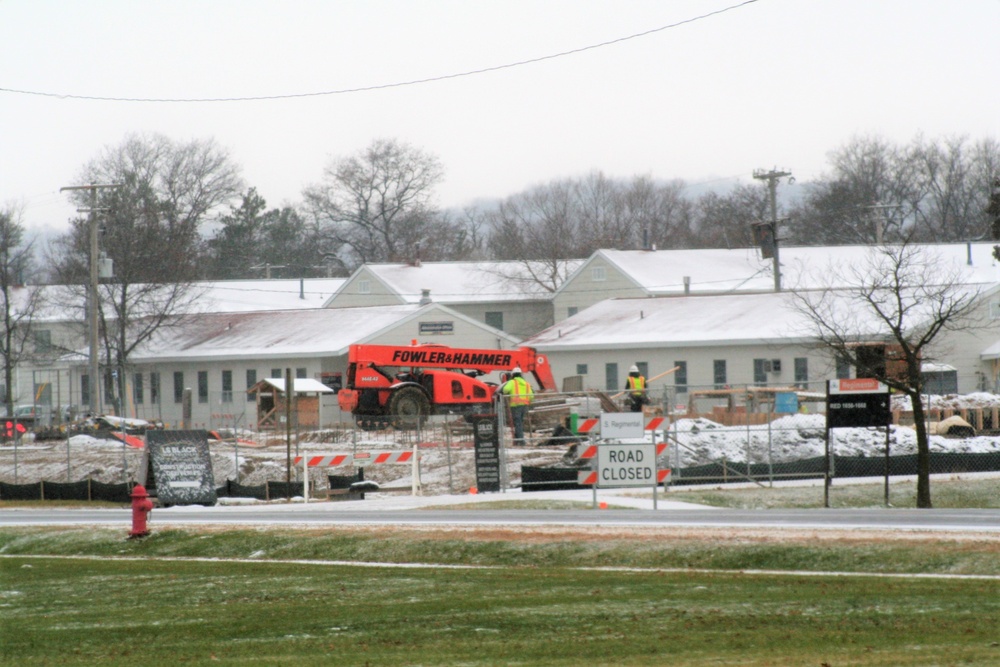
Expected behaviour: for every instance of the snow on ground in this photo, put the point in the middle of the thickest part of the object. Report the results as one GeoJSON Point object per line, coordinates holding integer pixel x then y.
{"type": "Point", "coordinates": [802, 436]}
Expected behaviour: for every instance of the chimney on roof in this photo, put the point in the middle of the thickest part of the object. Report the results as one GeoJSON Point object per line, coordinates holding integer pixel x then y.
{"type": "Point", "coordinates": [425, 297]}
{"type": "Point", "coordinates": [416, 255]}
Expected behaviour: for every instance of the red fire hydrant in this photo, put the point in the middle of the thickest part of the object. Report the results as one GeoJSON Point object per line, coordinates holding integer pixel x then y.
{"type": "Point", "coordinates": [141, 506]}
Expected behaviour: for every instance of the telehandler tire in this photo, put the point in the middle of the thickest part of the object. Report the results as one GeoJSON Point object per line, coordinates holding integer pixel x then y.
{"type": "Point", "coordinates": [408, 408]}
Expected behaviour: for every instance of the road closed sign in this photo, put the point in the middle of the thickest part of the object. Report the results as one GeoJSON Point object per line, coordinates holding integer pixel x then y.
{"type": "Point", "coordinates": [626, 465]}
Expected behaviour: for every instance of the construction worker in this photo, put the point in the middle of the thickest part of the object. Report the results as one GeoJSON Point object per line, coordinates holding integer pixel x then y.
{"type": "Point", "coordinates": [519, 394]}
{"type": "Point", "coordinates": [635, 385]}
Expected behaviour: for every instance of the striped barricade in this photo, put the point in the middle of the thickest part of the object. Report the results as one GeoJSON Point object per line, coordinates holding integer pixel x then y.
{"type": "Point", "coordinates": [358, 459]}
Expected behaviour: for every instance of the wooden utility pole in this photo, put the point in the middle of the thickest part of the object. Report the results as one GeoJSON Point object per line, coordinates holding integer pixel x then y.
{"type": "Point", "coordinates": [92, 294]}
{"type": "Point", "coordinates": [772, 178]}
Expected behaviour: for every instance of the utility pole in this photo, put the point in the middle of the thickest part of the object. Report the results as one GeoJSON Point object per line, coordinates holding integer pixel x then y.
{"type": "Point", "coordinates": [772, 178]}
{"type": "Point", "coordinates": [92, 294]}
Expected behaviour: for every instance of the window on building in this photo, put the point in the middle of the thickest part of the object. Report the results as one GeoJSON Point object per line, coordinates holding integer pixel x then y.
{"type": "Point", "coordinates": [495, 319]}
{"type": "Point", "coordinates": [364, 287]}
{"type": "Point", "coordinates": [137, 389]}
{"type": "Point", "coordinates": [301, 373]}
{"type": "Point", "coordinates": [611, 376]}
{"type": "Point", "coordinates": [760, 368]}
{"type": "Point", "coordinates": [251, 381]}
{"type": "Point", "coordinates": [85, 389]}
{"type": "Point", "coordinates": [643, 367]}
{"type": "Point", "coordinates": [802, 372]}
{"type": "Point", "coordinates": [227, 386]}
{"type": "Point", "coordinates": [42, 393]}
{"type": "Point", "coordinates": [598, 274]}
{"type": "Point", "coordinates": [719, 373]}
{"type": "Point", "coordinates": [43, 341]}
{"type": "Point", "coordinates": [203, 386]}
{"type": "Point", "coordinates": [276, 373]}
{"type": "Point", "coordinates": [178, 386]}
{"type": "Point", "coordinates": [681, 377]}
{"type": "Point", "coordinates": [154, 388]}
{"type": "Point", "coordinates": [571, 311]}
{"type": "Point", "coordinates": [843, 369]}
{"type": "Point", "coordinates": [581, 369]}
{"type": "Point", "coordinates": [110, 377]}
{"type": "Point", "coordinates": [995, 310]}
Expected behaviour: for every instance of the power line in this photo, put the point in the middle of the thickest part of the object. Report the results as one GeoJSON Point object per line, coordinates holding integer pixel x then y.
{"type": "Point", "coordinates": [384, 86]}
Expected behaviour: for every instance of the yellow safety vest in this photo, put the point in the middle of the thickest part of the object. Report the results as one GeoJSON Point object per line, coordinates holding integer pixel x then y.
{"type": "Point", "coordinates": [519, 390]}
{"type": "Point", "coordinates": [637, 385]}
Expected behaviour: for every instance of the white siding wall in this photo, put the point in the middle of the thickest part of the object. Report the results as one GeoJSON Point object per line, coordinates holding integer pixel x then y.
{"type": "Point", "coordinates": [351, 296]}
{"type": "Point", "coordinates": [700, 364]}
{"type": "Point", "coordinates": [961, 349]}
{"type": "Point", "coordinates": [582, 291]}
{"type": "Point", "coordinates": [520, 319]}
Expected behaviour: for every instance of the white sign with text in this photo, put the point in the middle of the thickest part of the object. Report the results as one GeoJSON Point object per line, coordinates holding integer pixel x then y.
{"type": "Point", "coordinates": [622, 425]}
{"type": "Point", "coordinates": [626, 465]}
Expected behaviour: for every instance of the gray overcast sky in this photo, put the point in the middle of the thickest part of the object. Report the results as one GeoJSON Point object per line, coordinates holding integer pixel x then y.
{"type": "Point", "coordinates": [770, 83]}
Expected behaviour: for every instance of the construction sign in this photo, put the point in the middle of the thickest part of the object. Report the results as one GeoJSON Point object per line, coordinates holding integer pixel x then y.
{"type": "Point", "coordinates": [857, 402]}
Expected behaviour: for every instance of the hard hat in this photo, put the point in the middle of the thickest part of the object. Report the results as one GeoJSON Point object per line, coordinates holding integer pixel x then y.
{"type": "Point", "coordinates": [633, 369]}
{"type": "Point", "coordinates": [517, 370]}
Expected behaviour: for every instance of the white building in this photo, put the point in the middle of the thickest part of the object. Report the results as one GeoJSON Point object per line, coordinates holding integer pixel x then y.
{"type": "Point", "coordinates": [515, 297]}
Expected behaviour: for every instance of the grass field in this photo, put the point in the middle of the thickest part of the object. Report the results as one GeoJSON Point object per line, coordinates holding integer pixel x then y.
{"type": "Point", "coordinates": [494, 596]}
{"type": "Point", "coordinates": [525, 600]}
{"type": "Point", "coordinates": [945, 494]}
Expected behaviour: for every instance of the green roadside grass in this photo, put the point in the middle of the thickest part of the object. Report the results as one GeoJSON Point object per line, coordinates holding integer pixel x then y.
{"type": "Point", "coordinates": [487, 599]}
{"type": "Point", "coordinates": [88, 596]}
{"type": "Point", "coordinates": [945, 494]}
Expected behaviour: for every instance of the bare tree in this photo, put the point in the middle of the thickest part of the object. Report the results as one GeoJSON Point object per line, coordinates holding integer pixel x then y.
{"type": "Point", "coordinates": [662, 215]}
{"type": "Point", "coordinates": [869, 198]}
{"type": "Point", "coordinates": [377, 206]}
{"type": "Point", "coordinates": [902, 296]}
{"type": "Point", "coordinates": [725, 220]}
{"type": "Point", "coordinates": [538, 229]}
{"type": "Point", "coordinates": [954, 184]}
{"type": "Point", "coordinates": [150, 230]}
{"type": "Point", "coordinates": [20, 303]}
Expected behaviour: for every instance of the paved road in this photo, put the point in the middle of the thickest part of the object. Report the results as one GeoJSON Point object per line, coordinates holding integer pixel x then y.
{"type": "Point", "coordinates": [334, 514]}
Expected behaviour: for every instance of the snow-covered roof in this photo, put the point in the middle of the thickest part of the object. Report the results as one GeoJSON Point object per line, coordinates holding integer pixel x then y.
{"type": "Point", "coordinates": [60, 303]}
{"type": "Point", "coordinates": [719, 270]}
{"type": "Point", "coordinates": [676, 321]}
{"type": "Point", "coordinates": [271, 334]}
{"type": "Point", "coordinates": [723, 319]}
{"type": "Point", "coordinates": [282, 334]}
{"type": "Point", "coordinates": [236, 296]}
{"type": "Point", "coordinates": [466, 282]}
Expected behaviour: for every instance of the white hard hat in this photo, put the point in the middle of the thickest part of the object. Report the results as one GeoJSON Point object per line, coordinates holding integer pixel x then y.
{"type": "Point", "coordinates": [517, 370]}
{"type": "Point", "coordinates": [634, 369]}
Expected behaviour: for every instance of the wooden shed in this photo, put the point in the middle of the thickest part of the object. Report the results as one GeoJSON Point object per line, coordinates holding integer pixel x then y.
{"type": "Point", "coordinates": [271, 402]}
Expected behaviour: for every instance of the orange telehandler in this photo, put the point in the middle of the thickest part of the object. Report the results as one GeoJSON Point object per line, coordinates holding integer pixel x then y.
{"type": "Point", "coordinates": [400, 385]}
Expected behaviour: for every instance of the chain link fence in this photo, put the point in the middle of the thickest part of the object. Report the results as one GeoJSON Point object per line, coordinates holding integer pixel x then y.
{"type": "Point", "coordinates": [754, 435]}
